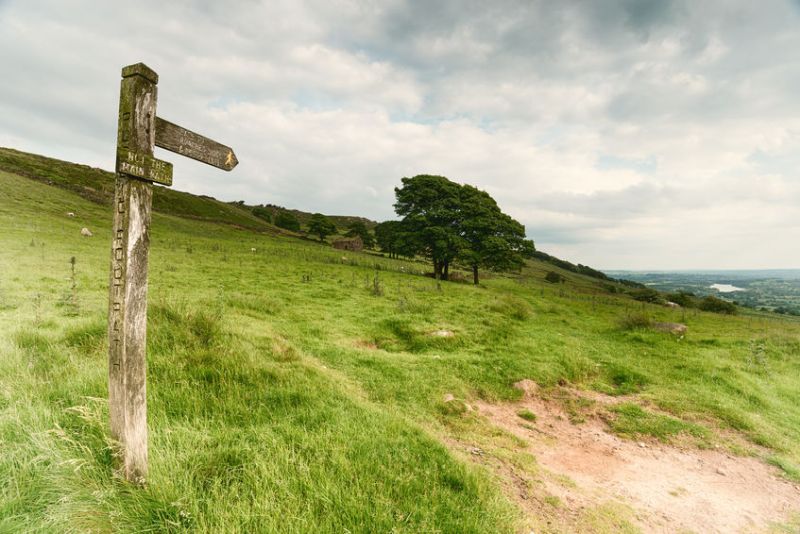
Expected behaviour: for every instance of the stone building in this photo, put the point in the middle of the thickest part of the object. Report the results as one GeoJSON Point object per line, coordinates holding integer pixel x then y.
{"type": "Point", "coordinates": [349, 243]}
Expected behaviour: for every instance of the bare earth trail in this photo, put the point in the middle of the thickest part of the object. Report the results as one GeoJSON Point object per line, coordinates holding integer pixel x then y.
{"type": "Point", "coordinates": [670, 489]}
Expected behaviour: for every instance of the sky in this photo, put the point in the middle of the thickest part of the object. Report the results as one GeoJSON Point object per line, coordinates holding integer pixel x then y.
{"type": "Point", "coordinates": [623, 134]}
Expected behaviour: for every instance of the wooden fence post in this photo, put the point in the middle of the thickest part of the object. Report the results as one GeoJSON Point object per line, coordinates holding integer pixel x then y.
{"type": "Point", "coordinates": [127, 325]}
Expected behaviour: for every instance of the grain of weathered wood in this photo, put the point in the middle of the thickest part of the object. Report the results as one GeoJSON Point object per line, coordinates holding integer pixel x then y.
{"type": "Point", "coordinates": [192, 145]}
{"type": "Point", "coordinates": [139, 130]}
{"type": "Point", "coordinates": [127, 325]}
{"type": "Point", "coordinates": [142, 70]}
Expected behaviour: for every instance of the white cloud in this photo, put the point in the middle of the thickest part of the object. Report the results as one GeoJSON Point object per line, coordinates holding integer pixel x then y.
{"type": "Point", "coordinates": [632, 134]}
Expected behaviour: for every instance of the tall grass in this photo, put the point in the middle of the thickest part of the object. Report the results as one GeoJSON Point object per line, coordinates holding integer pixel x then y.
{"type": "Point", "coordinates": [286, 395]}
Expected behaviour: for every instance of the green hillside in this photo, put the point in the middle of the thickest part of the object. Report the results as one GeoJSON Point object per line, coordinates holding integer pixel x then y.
{"type": "Point", "coordinates": [97, 185]}
{"type": "Point", "coordinates": [294, 388]}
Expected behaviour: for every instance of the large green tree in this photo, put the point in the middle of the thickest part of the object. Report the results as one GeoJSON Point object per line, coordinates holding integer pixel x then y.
{"type": "Point", "coordinates": [321, 226]}
{"type": "Point", "coordinates": [446, 221]}
{"type": "Point", "coordinates": [490, 238]}
{"type": "Point", "coordinates": [430, 207]}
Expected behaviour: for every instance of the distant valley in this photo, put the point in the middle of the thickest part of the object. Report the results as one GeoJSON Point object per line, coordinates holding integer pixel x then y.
{"type": "Point", "coordinates": [769, 289]}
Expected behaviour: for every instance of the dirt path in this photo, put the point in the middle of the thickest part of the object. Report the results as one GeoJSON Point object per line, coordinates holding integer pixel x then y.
{"type": "Point", "coordinates": [671, 489]}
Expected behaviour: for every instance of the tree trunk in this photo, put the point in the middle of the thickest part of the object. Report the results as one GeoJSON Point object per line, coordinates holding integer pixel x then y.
{"type": "Point", "coordinates": [446, 272]}
{"type": "Point", "coordinates": [475, 274]}
{"type": "Point", "coordinates": [437, 270]}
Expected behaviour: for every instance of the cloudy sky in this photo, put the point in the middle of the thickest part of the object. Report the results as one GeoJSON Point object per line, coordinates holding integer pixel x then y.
{"type": "Point", "coordinates": [623, 133]}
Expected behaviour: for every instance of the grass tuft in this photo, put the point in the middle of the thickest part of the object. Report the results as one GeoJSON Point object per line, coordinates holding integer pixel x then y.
{"type": "Point", "coordinates": [789, 469]}
{"type": "Point", "coordinates": [632, 421]}
{"type": "Point", "coordinates": [512, 307]}
{"type": "Point", "coordinates": [635, 321]}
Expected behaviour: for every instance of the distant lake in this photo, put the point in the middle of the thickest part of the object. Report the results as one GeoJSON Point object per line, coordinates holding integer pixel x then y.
{"type": "Point", "coordinates": [726, 288]}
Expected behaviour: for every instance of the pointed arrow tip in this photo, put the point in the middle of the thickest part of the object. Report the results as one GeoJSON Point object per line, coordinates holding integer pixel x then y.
{"type": "Point", "coordinates": [231, 161]}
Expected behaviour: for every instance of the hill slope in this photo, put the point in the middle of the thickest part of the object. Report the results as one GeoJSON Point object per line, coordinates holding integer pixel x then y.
{"type": "Point", "coordinates": [293, 389]}
{"type": "Point", "coordinates": [97, 185]}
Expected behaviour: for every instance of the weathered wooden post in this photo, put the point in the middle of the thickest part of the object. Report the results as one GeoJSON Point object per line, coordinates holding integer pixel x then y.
{"type": "Point", "coordinates": [139, 130]}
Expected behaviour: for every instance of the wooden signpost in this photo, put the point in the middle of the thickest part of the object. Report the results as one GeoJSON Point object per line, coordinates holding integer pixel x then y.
{"type": "Point", "coordinates": [139, 130]}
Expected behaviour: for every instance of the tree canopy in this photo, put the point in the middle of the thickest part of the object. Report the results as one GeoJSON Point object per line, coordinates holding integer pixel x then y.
{"type": "Point", "coordinates": [445, 222]}
{"type": "Point", "coordinates": [430, 208]}
{"type": "Point", "coordinates": [491, 239]}
{"type": "Point", "coordinates": [321, 226]}
{"type": "Point", "coordinates": [393, 238]}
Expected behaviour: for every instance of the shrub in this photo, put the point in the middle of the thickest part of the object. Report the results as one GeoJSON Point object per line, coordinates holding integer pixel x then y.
{"type": "Point", "coordinates": [263, 213]}
{"type": "Point", "coordinates": [527, 415]}
{"type": "Point", "coordinates": [717, 305]}
{"type": "Point", "coordinates": [286, 220]}
{"type": "Point", "coordinates": [553, 277]}
{"type": "Point", "coordinates": [684, 298]}
{"type": "Point", "coordinates": [611, 288]}
{"type": "Point", "coordinates": [635, 321]}
{"type": "Point", "coordinates": [646, 295]}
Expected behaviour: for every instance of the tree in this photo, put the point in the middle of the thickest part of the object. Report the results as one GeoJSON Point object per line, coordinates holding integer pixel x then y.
{"type": "Point", "coordinates": [287, 220]}
{"type": "Point", "coordinates": [359, 229]}
{"type": "Point", "coordinates": [393, 239]}
{"type": "Point", "coordinates": [491, 239]}
{"type": "Point", "coordinates": [430, 207]}
{"type": "Point", "coordinates": [321, 225]}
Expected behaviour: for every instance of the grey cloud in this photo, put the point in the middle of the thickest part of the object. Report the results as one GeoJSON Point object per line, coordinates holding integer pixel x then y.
{"type": "Point", "coordinates": [597, 124]}
{"type": "Point", "coordinates": [645, 14]}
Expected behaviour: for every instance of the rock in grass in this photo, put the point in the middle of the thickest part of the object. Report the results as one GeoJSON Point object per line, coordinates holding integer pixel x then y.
{"type": "Point", "coordinates": [442, 333]}
{"type": "Point", "coordinates": [678, 329]}
{"type": "Point", "coordinates": [527, 386]}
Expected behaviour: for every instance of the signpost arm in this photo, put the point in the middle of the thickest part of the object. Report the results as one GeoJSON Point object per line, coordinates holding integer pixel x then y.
{"type": "Point", "coordinates": [127, 385]}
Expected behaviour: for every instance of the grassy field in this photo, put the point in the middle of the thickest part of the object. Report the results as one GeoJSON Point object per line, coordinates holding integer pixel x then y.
{"type": "Point", "coordinates": [298, 389]}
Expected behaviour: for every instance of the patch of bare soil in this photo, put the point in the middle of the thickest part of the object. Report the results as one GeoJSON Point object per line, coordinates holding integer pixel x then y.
{"type": "Point", "coordinates": [364, 344]}
{"type": "Point", "coordinates": [670, 489]}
